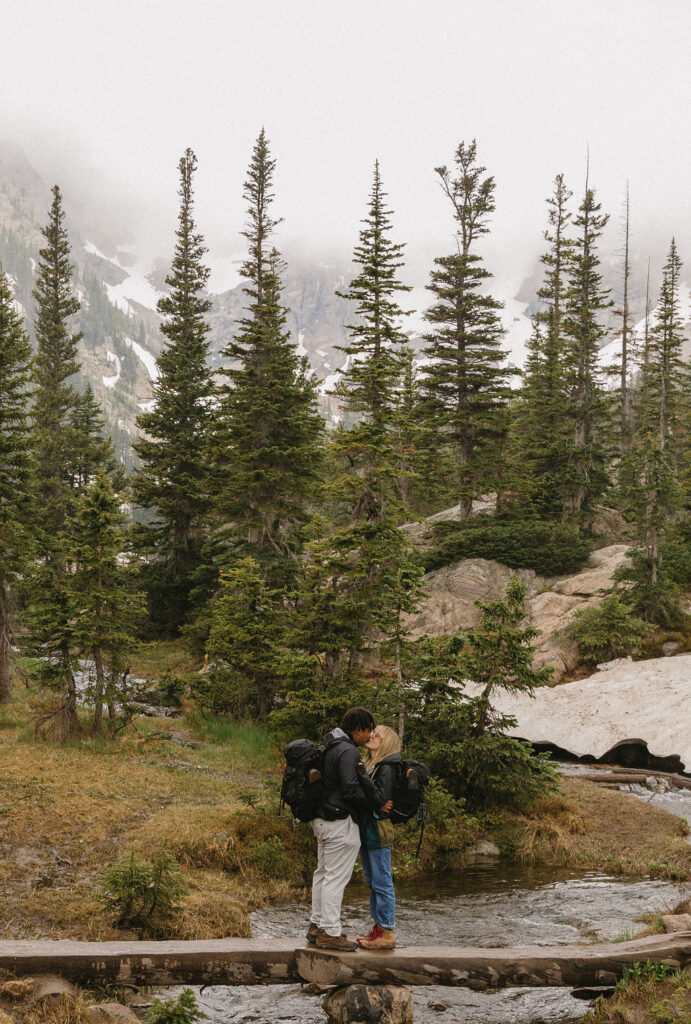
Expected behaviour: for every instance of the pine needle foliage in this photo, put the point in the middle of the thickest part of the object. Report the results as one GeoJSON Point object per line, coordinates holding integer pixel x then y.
{"type": "Point", "coordinates": [267, 450]}
{"type": "Point", "coordinates": [16, 505]}
{"type": "Point", "coordinates": [173, 478]}
{"type": "Point", "coordinates": [466, 379]}
{"type": "Point", "coordinates": [541, 426]}
{"type": "Point", "coordinates": [55, 402]}
{"type": "Point", "coordinates": [586, 300]}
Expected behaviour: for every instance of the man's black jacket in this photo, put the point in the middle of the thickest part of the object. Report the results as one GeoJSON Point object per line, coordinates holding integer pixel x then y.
{"type": "Point", "coordinates": [343, 795]}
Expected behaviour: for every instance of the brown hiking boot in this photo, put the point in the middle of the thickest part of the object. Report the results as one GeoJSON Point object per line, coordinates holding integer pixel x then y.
{"type": "Point", "coordinates": [385, 940]}
{"type": "Point", "coordinates": [312, 933]}
{"type": "Point", "coordinates": [339, 943]}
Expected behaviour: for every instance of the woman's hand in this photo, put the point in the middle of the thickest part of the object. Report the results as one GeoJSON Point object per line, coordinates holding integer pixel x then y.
{"type": "Point", "coordinates": [388, 806]}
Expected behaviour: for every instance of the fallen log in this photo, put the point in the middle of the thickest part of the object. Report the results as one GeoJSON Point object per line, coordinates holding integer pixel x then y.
{"type": "Point", "coordinates": [480, 969]}
{"type": "Point", "coordinates": [277, 961]}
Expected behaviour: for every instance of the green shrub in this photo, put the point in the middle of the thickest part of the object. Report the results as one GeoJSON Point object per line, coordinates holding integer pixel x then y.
{"type": "Point", "coordinates": [143, 896]}
{"type": "Point", "coordinates": [172, 687]}
{"type": "Point", "coordinates": [609, 630]}
{"type": "Point", "coordinates": [182, 1009]}
{"type": "Point", "coordinates": [269, 857]}
{"type": "Point", "coordinates": [550, 549]}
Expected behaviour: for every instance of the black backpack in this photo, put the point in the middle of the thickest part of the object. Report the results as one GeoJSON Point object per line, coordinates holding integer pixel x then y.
{"type": "Point", "coordinates": [301, 788]}
{"type": "Point", "coordinates": [409, 795]}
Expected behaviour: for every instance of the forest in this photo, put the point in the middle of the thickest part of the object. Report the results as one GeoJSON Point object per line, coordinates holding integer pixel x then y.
{"type": "Point", "coordinates": [273, 547]}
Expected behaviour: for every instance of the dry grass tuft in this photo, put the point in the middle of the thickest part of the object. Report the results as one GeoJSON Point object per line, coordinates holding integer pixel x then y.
{"type": "Point", "coordinates": [549, 828]}
{"type": "Point", "coordinates": [63, 1009]}
{"type": "Point", "coordinates": [19, 989]}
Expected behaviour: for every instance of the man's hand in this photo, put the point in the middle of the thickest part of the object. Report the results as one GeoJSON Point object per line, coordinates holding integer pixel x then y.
{"type": "Point", "coordinates": [388, 806]}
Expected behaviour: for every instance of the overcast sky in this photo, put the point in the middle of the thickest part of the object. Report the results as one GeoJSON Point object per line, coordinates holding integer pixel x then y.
{"type": "Point", "coordinates": [105, 96]}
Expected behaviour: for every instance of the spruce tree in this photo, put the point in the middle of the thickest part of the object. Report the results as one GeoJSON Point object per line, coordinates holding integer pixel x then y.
{"type": "Point", "coordinates": [16, 507]}
{"type": "Point", "coordinates": [55, 365]}
{"type": "Point", "coordinates": [104, 604]}
{"type": "Point", "coordinates": [90, 449]}
{"type": "Point", "coordinates": [466, 381]}
{"type": "Point", "coordinates": [586, 299]}
{"type": "Point", "coordinates": [173, 477]}
{"type": "Point", "coordinates": [55, 402]}
{"type": "Point", "coordinates": [540, 434]}
{"type": "Point", "coordinates": [268, 444]}
{"type": "Point", "coordinates": [654, 460]}
{"type": "Point", "coordinates": [366, 567]}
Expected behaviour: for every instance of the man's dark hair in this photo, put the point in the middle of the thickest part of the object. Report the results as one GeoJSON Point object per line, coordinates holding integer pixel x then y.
{"type": "Point", "coordinates": [357, 718]}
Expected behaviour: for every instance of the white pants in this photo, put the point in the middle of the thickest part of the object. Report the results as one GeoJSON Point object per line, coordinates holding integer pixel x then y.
{"type": "Point", "coordinates": [338, 844]}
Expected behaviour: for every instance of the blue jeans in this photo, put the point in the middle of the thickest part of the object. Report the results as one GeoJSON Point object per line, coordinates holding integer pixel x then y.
{"type": "Point", "coordinates": [376, 869]}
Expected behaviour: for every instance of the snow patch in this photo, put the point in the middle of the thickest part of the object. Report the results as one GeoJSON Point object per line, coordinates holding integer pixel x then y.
{"type": "Point", "coordinates": [300, 348]}
{"type": "Point", "coordinates": [145, 357]}
{"type": "Point", "coordinates": [148, 406]}
{"type": "Point", "coordinates": [110, 382]}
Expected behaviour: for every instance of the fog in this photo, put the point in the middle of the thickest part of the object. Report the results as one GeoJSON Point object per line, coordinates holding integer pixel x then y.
{"type": "Point", "coordinates": [104, 98]}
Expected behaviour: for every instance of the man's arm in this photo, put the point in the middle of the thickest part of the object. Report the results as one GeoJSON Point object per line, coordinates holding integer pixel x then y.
{"type": "Point", "coordinates": [349, 777]}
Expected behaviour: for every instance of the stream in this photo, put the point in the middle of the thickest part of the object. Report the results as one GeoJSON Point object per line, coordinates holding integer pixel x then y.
{"type": "Point", "coordinates": [495, 904]}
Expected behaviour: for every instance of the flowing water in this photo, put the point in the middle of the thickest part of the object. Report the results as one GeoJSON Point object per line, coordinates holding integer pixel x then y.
{"type": "Point", "coordinates": [492, 905]}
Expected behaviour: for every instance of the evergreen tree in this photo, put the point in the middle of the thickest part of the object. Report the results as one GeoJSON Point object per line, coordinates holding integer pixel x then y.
{"type": "Point", "coordinates": [654, 460]}
{"type": "Point", "coordinates": [16, 508]}
{"type": "Point", "coordinates": [55, 402]}
{"type": "Point", "coordinates": [104, 605]}
{"type": "Point", "coordinates": [173, 478]}
{"type": "Point", "coordinates": [586, 299]}
{"type": "Point", "coordinates": [90, 449]}
{"type": "Point", "coordinates": [268, 445]}
{"type": "Point", "coordinates": [56, 362]}
{"type": "Point", "coordinates": [365, 569]}
{"type": "Point", "coordinates": [465, 384]}
{"type": "Point", "coordinates": [625, 389]}
{"type": "Point", "coordinates": [540, 432]}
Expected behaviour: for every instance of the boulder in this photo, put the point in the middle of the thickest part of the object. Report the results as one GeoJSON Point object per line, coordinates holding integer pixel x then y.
{"type": "Point", "coordinates": [111, 1013]}
{"type": "Point", "coordinates": [50, 986]}
{"type": "Point", "coordinates": [677, 922]}
{"type": "Point", "coordinates": [598, 574]}
{"type": "Point", "coordinates": [453, 590]}
{"type": "Point", "coordinates": [369, 1004]}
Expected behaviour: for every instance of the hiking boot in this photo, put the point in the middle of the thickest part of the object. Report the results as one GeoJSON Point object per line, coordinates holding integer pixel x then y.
{"type": "Point", "coordinates": [374, 934]}
{"type": "Point", "coordinates": [312, 933]}
{"type": "Point", "coordinates": [339, 943]}
{"type": "Point", "coordinates": [385, 940]}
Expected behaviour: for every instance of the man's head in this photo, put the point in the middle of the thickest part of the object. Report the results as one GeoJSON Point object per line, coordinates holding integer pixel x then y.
{"type": "Point", "coordinates": [358, 724]}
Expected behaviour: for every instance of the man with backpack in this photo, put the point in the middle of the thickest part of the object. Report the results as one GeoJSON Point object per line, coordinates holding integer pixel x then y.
{"type": "Point", "coordinates": [343, 802]}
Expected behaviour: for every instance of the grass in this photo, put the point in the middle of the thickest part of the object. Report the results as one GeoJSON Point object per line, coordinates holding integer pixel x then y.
{"type": "Point", "coordinates": [598, 829]}
{"type": "Point", "coordinates": [207, 790]}
{"type": "Point", "coordinates": [648, 994]}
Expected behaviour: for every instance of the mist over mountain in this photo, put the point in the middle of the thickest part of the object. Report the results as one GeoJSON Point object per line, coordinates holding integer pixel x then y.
{"type": "Point", "coordinates": [120, 275]}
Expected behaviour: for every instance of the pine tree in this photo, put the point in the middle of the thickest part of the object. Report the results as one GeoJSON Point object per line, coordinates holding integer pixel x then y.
{"type": "Point", "coordinates": [90, 449]}
{"type": "Point", "coordinates": [586, 299]}
{"type": "Point", "coordinates": [654, 460]}
{"type": "Point", "coordinates": [55, 402]}
{"type": "Point", "coordinates": [16, 507]}
{"type": "Point", "coordinates": [268, 444]}
{"type": "Point", "coordinates": [173, 477]}
{"type": "Point", "coordinates": [104, 605]}
{"type": "Point", "coordinates": [625, 395]}
{"type": "Point", "coordinates": [56, 362]}
{"type": "Point", "coordinates": [365, 568]}
{"type": "Point", "coordinates": [540, 432]}
{"type": "Point", "coordinates": [465, 383]}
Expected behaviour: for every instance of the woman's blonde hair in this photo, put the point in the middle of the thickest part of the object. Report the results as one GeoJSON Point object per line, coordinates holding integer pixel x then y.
{"type": "Point", "coordinates": [390, 744]}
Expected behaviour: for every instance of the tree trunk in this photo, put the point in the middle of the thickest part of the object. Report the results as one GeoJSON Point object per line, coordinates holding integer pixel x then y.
{"type": "Point", "coordinates": [100, 690]}
{"type": "Point", "coordinates": [5, 646]}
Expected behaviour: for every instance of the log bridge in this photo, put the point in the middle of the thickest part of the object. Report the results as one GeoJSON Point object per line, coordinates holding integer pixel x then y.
{"type": "Point", "coordinates": [279, 961]}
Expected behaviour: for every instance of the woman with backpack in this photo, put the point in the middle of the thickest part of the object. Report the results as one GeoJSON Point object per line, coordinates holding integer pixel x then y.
{"type": "Point", "coordinates": [383, 764]}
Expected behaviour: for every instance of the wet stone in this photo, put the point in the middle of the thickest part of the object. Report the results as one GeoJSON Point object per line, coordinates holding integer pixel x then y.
{"type": "Point", "coordinates": [369, 1004]}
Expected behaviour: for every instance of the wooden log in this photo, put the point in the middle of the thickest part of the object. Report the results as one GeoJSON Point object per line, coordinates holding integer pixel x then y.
{"type": "Point", "coordinates": [277, 961]}
{"type": "Point", "coordinates": [208, 962]}
{"type": "Point", "coordinates": [479, 969]}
